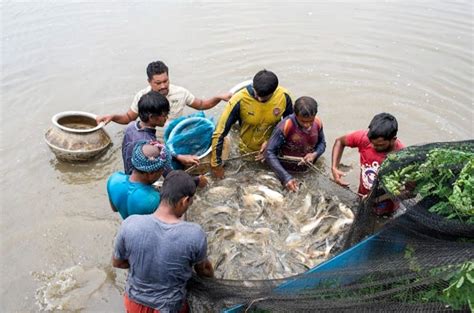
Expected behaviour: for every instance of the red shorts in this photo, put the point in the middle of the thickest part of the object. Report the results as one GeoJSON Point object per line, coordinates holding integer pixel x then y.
{"type": "Point", "coordinates": [386, 207]}
{"type": "Point", "coordinates": [134, 307]}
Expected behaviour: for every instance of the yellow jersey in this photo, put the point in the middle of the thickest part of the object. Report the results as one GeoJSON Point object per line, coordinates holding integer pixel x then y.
{"type": "Point", "coordinates": [257, 120]}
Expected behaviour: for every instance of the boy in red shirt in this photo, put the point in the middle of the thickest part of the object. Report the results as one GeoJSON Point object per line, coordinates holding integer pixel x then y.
{"type": "Point", "coordinates": [373, 145]}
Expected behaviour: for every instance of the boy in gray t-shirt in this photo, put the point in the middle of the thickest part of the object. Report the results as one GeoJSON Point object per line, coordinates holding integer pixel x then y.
{"type": "Point", "coordinates": [161, 249]}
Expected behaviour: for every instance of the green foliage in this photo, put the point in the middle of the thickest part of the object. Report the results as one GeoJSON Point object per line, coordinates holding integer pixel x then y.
{"type": "Point", "coordinates": [447, 174]}
{"type": "Point", "coordinates": [463, 189]}
{"type": "Point", "coordinates": [412, 261]}
{"type": "Point", "coordinates": [458, 278]}
{"type": "Point", "coordinates": [461, 289]}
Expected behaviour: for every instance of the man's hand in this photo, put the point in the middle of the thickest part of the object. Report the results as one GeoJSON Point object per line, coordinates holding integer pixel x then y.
{"type": "Point", "coordinates": [104, 119]}
{"type": "Point", "coordinates": [204, 269]}
{"type": "Point", "coordinates": [120, 263]}
{"type": "Point", "coordinates": [337, 176]}
{"type": "Point", "coordinates": [188, 160]}
{"type": "Point", "coordinates": [218, 171]}
{"type": "Point", "coordinates": [225, 96]}
{"type": "Point", "coordinates": [202, 181]}
{"type": "Point", "coordinates": [260, 156]}
{"type": "Point", "coordinates": [292, 185]}
{"type": "Point", "coordinates": [308, 158]}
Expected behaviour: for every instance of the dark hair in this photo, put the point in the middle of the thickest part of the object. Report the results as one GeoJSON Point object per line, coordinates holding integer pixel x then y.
{"type": "Point", "coordinates": [156, 68]}
{"type": "Point", "coordinates": [152, 103]}
{"type": "Point", "coordinates": [383, 125]}
{"type": "Point", "coordinates": [306, 107]}
{"type": "Point", "coordinates": [177, 184]}
{"type": "Point", "coordinates": [265, 83]}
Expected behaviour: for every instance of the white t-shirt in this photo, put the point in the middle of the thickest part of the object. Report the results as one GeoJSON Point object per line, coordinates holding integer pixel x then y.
{"type": "Point", "coordinates": [177, 96]}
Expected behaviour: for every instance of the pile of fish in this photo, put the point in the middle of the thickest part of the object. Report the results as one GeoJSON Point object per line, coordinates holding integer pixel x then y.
{"type": "Point", "coordinates": [256, 230]}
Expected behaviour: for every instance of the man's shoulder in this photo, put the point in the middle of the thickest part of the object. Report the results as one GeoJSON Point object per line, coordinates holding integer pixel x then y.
{"type": "Point", "coordinates": [144, 193]}
{"type": "Point", "coordinates": [286, 123]}
{"type": "Point", "coordinates": [175, 89]}
{"type": "Point", "coordinates": [399, 145]}
{"type": "Point", "coordinates": [143, 91]}
{"type": "Point", "coordinates": [117, 178]}
{"type": "Point", "coordinates": [193, 229]}
{"type": "Point", "coordinates": [282, 90]}
{"type": "Point", "coordinates": [132, 126]}
{"type": "Point", "coordinates": [136, 222]}
{"type": "Point", "coordinates": [133, 133]}
{"type": "Point", "coordinates": [130, 133]}
{"type": "Point", "coordinates": [241, 94]}
{"type": "Point", "coordinates": [357, 138]}
{"type": "Point", "coordinates": [117, 184]}
{"type": "Point", "coordinates": [359, 134]}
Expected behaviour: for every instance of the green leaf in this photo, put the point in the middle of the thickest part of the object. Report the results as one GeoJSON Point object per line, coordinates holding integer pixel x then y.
{"type": "Point", "coordinates": [470, 277]}
{"type": "Point", "coordinates": [460, 282]}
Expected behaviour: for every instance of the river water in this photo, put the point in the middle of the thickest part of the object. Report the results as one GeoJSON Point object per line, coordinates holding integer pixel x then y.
{"type": "Point", "coordinates": [411, 58]}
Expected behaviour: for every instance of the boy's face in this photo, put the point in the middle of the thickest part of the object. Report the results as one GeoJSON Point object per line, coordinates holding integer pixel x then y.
{"type": "Point", "coordinates": [381, 144]}
{"type": "Point", "coordinates": [158, 120]}
{"type": "Point", "coordinates": [160, 83]}
{"type": "Point", "coordinates": [305, 122]}
{"type": "Point", "coordinates": [262, 99]}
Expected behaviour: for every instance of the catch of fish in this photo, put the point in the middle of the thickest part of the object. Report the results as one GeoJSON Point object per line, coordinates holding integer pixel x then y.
{"type": "Point", "coordinates": [257, 230]}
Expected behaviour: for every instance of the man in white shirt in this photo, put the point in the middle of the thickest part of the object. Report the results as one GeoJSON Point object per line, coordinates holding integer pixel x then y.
{"type": "Point", "coordinates": [177, 96]}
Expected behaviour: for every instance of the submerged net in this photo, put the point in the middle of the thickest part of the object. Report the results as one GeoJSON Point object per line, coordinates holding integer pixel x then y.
{"type": "Point", "coordinates": [421, 261]}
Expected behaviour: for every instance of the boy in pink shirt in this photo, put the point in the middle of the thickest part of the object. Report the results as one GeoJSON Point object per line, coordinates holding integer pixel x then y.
{"type": "Point", "coordinates": [374, 144]}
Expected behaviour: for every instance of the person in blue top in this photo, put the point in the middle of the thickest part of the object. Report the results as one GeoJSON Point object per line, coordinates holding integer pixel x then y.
{"type": "Point", "coordinates": [134, 194]}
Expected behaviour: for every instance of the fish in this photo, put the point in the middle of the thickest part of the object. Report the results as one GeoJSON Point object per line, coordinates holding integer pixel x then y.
{"type": "Point", "coordinates": [269, 180]}
{"type": "Point", "coordinates": [346, 211]}
{"type": "Point", "coordinates": [252, 200]}
{"type": "Point", "coordinates": [273, 196]}
{"type": "Point", "coordinates": [304, 209]}
{"type": "Point", "coordinates": [258, 231]}
{"type": "Point", "coordinates": [293, 240]}
{"type": "Point", "coordinates": [221, 191]}
{"type": "Point", "coordinates": [311, 226]}
{"type": "Point", "coordinates": [339, 224]}
{"type": "Point", "coordinates": [219, 210]}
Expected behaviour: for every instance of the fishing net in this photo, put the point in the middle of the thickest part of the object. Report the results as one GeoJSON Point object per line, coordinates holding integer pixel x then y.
{"type": "Point", "coordinates": [422, 260]}
{"type": "Point", "coordinates": [190, 134]}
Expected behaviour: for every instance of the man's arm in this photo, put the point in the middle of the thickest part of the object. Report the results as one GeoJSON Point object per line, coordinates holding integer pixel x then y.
{"type": "Point", "coordinates": [337, 151]}
{"type": "Point", "coordinates": [120, 255]}
{"type": "Point", "coordinates": [321, 144]}
{"type": "Point", "coordinates": [187, 159]}
{"type": "Point", "coordinates": [230, 115]}
{"type": "Point", "coordinates": [120, 263]}
{"type": "Point", "coordinates": [289, 106]}
{"type": "Point", "coordinates": [204, 269]}
{"type": "Point", "coordinates": [206, 104]}
{"type": "Point", "coordinates": [118, 118]}
{"type": "Point", "coordinates": [271, 155]}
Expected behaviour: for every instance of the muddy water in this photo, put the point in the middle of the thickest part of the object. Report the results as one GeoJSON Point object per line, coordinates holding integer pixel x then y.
{"type": "Point", "coordinates": [413, 59]}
